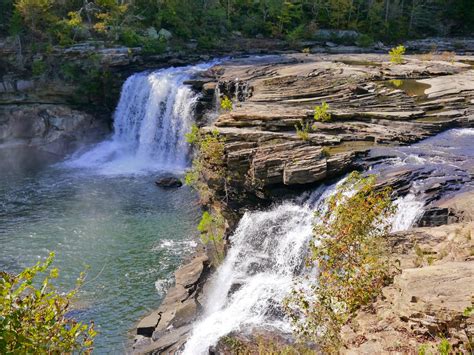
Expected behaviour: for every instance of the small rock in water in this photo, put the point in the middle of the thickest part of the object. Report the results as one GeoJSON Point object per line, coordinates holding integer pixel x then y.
{"type": "Point", "coordinates": [169, 181]}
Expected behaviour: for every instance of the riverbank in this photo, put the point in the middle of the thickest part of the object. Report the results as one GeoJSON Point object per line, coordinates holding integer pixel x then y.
{"type": "Point", "coordinates": [374, 104]}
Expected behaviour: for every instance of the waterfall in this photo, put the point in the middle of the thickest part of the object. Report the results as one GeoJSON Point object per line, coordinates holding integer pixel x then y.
{"type": "Point", "coordinates": [268, 253]}
{"type": "Point", "coordinates": [154, 112]}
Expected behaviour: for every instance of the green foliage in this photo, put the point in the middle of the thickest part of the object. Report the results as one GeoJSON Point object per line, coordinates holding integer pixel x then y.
{"type": "Point", "coordinates": [208, 166]}
{"type": "Point", "coordinates": [131, 38]}
{"type": "Point", "coordinates": [444, 347]}
{"type": "Point", "coordinates": [38, 68]}
{"type": "Point", "coordinates": [350, 251]}
{"type": "Point", "coordinates": [226, 104]}
{"type": "Point", "coordinates": [422, 349]}
{"type": "Point", "coordinates": [212, 228]}
{"type": "Point", "coordinates": [302, 130]}
{"type": "Point", "coordinates": [396, 54]}
{"type": "Point", "coordinates": [321, 113]}
{"type": "Point", "coordinates": [33, 320]}
{"type": "Point", "coordinates": [365, 41]}
{"type": "Point", "coordinates": [37, 15]}
{"type": "Point", "coordinates": [212, 22]}
{"type": "Point", "coordinates": [90, 78]}
{"type": "Point", "coordinates": [469, 311]}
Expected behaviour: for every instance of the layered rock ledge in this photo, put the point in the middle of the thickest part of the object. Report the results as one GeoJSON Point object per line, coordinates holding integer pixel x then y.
{"type": "Point", "coordinates": [372, 103]}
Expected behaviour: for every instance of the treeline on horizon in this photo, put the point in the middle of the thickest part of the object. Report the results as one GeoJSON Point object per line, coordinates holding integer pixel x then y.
{"type": "Point", "coordinates": [209, 22]}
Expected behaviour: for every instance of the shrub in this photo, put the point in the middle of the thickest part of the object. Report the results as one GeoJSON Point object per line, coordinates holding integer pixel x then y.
{"type": "Point", "coordinates": [212, 228]}
{"type": "Point", "coordinates": [302, 130]}
{"type": "Point", "coordinates": [33, 320]}
{"type": "Point", "coordinates": [448, 56]}
{"type": "Point", "coordinates": [396, 54]}
{"type": "Point", "coordinates": [348, 248]}
{"type": "Point", "coordinates": [226, 104]}
{"type": "Point", "coordinates": [365, 41]}
{"type": "Point", "coordinates": [426, 57]}
{"type": "Point", "coordinates": [153, 46]}
{"type": "Point", "coordinates": [444, 347]}
{"type": "Point", "coordinates": [208, 164]}
{"type": "Point", "coordinates": [130, 38]}
{"type": "Point", "coordinates": [38, 68]}
{"type": "Point", "coordinates": [296, 34]}
{"type": "Point", "coordinates": [396, 82]}
{"type": "Point", "coordinates": [321, 113]}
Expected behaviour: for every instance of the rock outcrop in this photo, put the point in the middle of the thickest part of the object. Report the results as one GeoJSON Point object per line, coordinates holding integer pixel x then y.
{"type": "Point", "coordinates": [428, 300]}
{"type": "Point", "coordinates": [56, 129]}
{"type": "Point", "coordinates": [372, 103]}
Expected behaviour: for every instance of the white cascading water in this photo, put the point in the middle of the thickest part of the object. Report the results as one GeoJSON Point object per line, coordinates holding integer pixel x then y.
{"type": "Point", "coordinates": [154, 113]}
{"type": "Point", "coordinates": [268, 253]}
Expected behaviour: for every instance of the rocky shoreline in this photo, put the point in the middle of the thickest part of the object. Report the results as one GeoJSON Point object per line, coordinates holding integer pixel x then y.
{"type": "Point", "coordinates": [374, 104]}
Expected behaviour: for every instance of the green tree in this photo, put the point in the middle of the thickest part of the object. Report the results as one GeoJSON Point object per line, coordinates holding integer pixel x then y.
{"type": "Point", "coordinates": [36, 14]}
{"type": "Point", "coordinates": [33, 319]}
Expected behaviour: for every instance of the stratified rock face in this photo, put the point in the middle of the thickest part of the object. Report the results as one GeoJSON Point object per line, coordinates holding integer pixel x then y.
{"type": "Point", "coordinates": [372, 102]}
{"type": "Point", "coordinates": [56, 129]}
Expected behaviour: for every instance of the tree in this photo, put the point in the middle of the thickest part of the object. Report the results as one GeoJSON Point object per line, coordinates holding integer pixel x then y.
{"type": "Point", "coordinates": [33, 319]}
{"type": "Point", "coordinates": [36, 14]}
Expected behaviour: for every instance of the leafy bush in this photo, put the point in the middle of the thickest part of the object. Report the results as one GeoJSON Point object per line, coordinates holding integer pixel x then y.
{"type": "Point", "coordinates": [396, 54]}
{"type": "Point", "coordinates": [130, 38]}
{"type": "Point", "coordinates": [365, 41]}
{"type": "Point", "coordinates": [297, 34]}
{"type": "Point", "coordinates": [321, 113]}
{"type": "Point", "coordinates": [212, 228]}
{"type": "Point", "coordinates": [208, 166]}
{"type": "Point", "coordinates": [33, 320]}
{"type": "Point", "coordinates": [302, 130]}
{"type": "Point", "coordinates": [226, 104]}
{"type": "Point", "coordinates": [444, 347]}
{"type": "Point", "coordinates": [349, 249]}
{"type": "Point", "coordinates": [38, 68]}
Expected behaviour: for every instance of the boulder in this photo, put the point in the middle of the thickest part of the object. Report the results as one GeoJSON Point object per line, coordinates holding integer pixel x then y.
{"type": "Point", "coordinates": [165, 34]}
{"type": "Point", "coordinates": [151, 33]}
{"type": "Point", "coordinates": [169, 182]}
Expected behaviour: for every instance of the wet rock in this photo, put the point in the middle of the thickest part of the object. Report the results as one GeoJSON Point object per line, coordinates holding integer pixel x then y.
{"type": "Point", "coordinates": [169, 182]}
{"type": "Point", "coordinates": [141, 341]}
{"type": "Point", "coordinates": [147, 325]}
{"type": "Point", "coordinates": [177, 311]}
